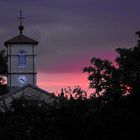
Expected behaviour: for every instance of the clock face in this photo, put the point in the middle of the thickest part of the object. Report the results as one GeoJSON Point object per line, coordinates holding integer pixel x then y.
{"type": "Point", "coordinates": [22, 80]}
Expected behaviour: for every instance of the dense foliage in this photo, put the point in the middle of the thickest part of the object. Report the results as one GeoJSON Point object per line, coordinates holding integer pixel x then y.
{"type": "Point", "coordinates": [87, 119]}
{"type": "Point", "coordinates": [111, 112]}
{"type": "Point", "coordinates": [113, 80]}
{"type": "Point", "coordinates": [3, 72]}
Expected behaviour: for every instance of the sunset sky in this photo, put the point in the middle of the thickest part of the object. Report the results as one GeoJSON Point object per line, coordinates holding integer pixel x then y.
{"type": "Point", "coordinates": [70, 33]}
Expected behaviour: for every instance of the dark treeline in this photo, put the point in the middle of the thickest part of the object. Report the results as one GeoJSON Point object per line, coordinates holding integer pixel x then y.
{"type": "Point", "coordinates": [88, 119]}
{"type": "Point", "coordinates": [3, 71]}
{"type": "Point", "coordinates": [111, 112]}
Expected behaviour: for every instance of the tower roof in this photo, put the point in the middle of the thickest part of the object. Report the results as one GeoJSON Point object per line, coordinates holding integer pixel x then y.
{"type": "Point", "coordinates": [20, 39]}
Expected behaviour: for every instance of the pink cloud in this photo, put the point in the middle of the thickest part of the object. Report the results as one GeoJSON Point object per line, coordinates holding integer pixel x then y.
{"type": "Point", "coordinates": [55, 82]}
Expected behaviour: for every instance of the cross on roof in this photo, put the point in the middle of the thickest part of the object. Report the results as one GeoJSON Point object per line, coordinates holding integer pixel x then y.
{"type": "Point", "coordinates": [21, 18]}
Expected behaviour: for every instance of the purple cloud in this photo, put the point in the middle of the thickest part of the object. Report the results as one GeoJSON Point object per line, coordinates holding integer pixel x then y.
{"type": "Point", "coordinates": [72, 31]}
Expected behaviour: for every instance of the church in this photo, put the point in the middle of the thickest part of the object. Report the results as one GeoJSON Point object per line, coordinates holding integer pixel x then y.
{"type": "Point", "coordinates": [22, 74]}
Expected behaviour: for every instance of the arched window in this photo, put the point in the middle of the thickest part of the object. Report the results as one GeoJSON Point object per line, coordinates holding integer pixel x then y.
{"type": "Point", "coordinates": [21, 59]}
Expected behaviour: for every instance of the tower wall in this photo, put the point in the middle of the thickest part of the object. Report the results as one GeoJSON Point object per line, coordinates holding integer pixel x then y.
{"type": "Point", "coordinates": [14, 70]}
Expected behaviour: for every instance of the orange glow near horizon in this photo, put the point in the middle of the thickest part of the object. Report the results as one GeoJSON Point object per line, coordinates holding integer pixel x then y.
{"type": "Point", "coordinates": [55, 82]}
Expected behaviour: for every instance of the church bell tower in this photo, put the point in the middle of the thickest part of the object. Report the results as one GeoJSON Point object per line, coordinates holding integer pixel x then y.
{"type": "Point", "coordinates": [21, 57]}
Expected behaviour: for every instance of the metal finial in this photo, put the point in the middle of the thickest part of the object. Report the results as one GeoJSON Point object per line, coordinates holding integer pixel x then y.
{"type": "Point", "coordinates": [21, 27]}
{"type": "Point", "coordinates": [21, 18]}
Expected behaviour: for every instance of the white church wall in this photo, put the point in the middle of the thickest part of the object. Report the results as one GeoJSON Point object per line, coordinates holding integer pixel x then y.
{"type": "Point", "coordinates": [15, 70]}
{"type": "Point", "coordinates": [16, 48]}
{"type": "Point", "coordinates": [28, 68]}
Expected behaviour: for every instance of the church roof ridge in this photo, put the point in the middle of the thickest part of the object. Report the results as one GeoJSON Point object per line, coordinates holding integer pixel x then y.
{"type": "Point", "coordinates": [22, 88]}
{"type": "Point", "coordinates": [21, 39]}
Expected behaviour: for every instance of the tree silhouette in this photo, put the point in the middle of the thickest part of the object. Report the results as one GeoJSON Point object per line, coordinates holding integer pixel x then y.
{"type": "Point", "coordinates": [113, 81]}
{"type": "Point", "coordinates": [73, 93]}
{"type": "Point", "coordinates": [129, 65]}
{"type": "Point", "coordinates": [107, 115]}
{"type": "Point", "coordinates": [3, 72]}
{"type": "Point", "coordinates": [104, 77]}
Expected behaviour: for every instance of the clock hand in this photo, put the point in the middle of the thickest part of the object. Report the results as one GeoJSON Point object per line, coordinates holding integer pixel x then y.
{"type": "Point", "coordinates": [23, 80]}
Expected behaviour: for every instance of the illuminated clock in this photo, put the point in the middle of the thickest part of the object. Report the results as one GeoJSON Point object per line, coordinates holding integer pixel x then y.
{"type": "Point", "coordinates": [22, 80]}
